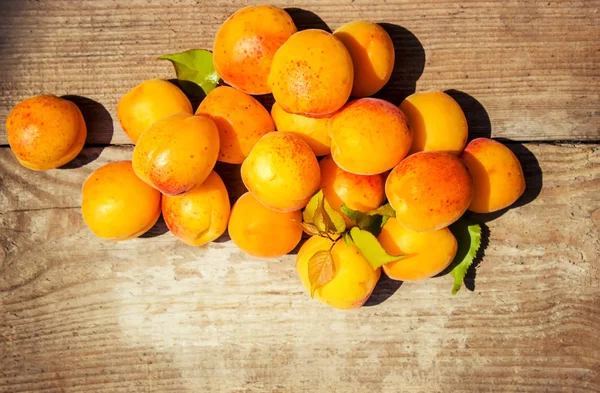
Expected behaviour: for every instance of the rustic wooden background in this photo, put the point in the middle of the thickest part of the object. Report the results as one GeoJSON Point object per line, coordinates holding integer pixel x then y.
{"type": "Point", "coordinates": [78, 314]}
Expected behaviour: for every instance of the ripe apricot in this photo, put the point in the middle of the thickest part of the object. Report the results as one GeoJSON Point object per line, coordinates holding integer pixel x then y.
{"type": "Point", "coordinates": [313, 131]}
{"type": "Point", "coordinates": [177, 153]}
{"type": "Point", "coordinates": [425, 253]}
{"type": "Point", "coordinates": [45, 132]}
{"type": "Point", "coordinates": [372, 52]}
{"type": "Point", "coordinates": [149, 102]}
{"type": "Point", "coordinates": [281, 171]}
{"type": "Point", "coordinates": [200, 215]}
{"type": "Point", "coordinates": [498, 179]}
{"type": "Point", "coordinates": [429, 190]}
{"type": "Point", "coordinates": [262, 232]}
{"type": "Point", "coordinates": [354, 280]}
{"type": "Point", "coordinates": [246, 43]}
{"type": "Point", "coordinates": [437, 122]}
{"type": "Point", "coordinates": [116, 204]}
{"type": "Point", "coordinates": [241, 121]}
{"type": "Point", "coordinates": [369, 136]}
{"type": "Point", "coordinates": [358, 192]}
{"type": "Point", "coordinates": [312, 74]}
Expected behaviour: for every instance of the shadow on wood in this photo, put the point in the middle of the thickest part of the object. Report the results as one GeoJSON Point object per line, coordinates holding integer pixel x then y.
{"type": "Point", "coordinates": [159, 229]}
{"type": "Point", "coordinates": [384, 289]}
{"type": "Point", "coordinates": [478, 120]}
{"type": "Point", "coordinates": [304, 19]}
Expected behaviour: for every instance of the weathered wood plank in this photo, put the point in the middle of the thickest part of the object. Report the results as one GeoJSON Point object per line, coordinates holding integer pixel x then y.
{"type": "Point", "coordinates": [154, 315]}
{"type": "Point", "coordinates": [532, 65]}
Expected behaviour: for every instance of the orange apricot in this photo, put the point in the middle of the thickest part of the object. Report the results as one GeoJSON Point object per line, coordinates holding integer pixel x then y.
{"type": "Point", "coordinates": [312, 130]}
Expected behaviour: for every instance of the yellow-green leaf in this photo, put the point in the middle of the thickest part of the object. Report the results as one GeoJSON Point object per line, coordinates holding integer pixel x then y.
{"type": "Point", "coordinates": [309, 211]}
{"type": "Point", "coordinates": [321, 270]}
{"type": "Point", "coordinates": [468, 236]}
{"type": "Point", "coordinates": [337, 220]}
{"type": "Point", "coordinates": [309, 228]}
{"type": "Point", "coordinates": [195, 65]}
{"type": "Point", "coordinates": [368, 244]}
{"type": "Point", "coordinates": [384, 210]}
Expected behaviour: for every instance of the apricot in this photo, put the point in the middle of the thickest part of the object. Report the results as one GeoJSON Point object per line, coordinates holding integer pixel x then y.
{"type": "Point", "coordinates": [497, 175]}
{"type": "Point", "coordinates": [369, 136]}
{"type": "Point", "coordinates": [281, 171]}
{"type": "Point", "coordinates": [177, 153]}
{"type": "Point", "coordinates": [354, 280]}
{"type": "Point", "coordinates": [262, 232]}
{"type": "Point", "coordinates": [437, 122]}
{"type": "Point", "coordinates": [116, 204]}
{"type": "Point", "coordinates": [241, 121]}
{"type": "Point", "coordinates": [372, 52]}
{"type": "Point", "coordinates": [429, 190]}
{"type": "Point", "coordinates": [425, 253]}
{"type": "Point", "coordinates": [149, 102]}
{"type": "Point", "coordinates": [200, 215]}
{"type": "Point", "coordinates": [246, 43]}
{"type": "Point", "coordinates": [311, 74]}
{"type": "Point", "coordinates": [45, 132]}
{"type": "Point", "coordinates": [358, 192]}
{"type": "Point", "coordinates": [312, 130]}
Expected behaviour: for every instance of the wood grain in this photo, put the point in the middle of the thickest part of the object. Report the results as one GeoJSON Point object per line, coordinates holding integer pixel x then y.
{"type": "Point", "coordinates": [78, 314]}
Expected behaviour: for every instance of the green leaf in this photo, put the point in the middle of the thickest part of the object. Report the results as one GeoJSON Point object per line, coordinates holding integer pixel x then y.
{"type": "Point", "coordinates": [468, 236]}
{"type": "Point", "coordinates": [347, 238]}
{"type": "Point", "coordinates": [337, 220]}
{"type": "Point", "coordinates": [384, 210]}
{"type": "Point", "coordinates": [364, 220]}
{"type": "Point", "coordinates": [320, 218]}
{"type": "Point", "coordinates": [195, 65]}
{"type": "Point", "coordinates": [321, 270]}
{"type": "Point", "coordinates": [309, 211]}
{"type": "Point", "coordinates": [320, 213]}
{"type": "Point", "coordinates": [368, 244]}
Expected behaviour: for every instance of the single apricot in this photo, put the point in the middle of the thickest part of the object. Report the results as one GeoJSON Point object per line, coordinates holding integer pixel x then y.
{"type": "Point", "coordinates": [200, 215]}
{"type": "Point", "coordinates": [281, 171]}
{"type": "Point", "coordinates": [498, 179]}
{"type": "Point", "coordinates": [177, 153]}
{"type": "Point", "coordinates": [45, 132]}
{"type": "Point", "coordinates": [425, 253]}
{"type": "Point", "coordinates": [149, 102]}
{"type": "Point", "coordinates": [369, 136]}
{"type": "Point", "coordinates": [437, 122]}
{"type": "Point", "coordinates": [116, 204]}
{"type": "Point", "coordinates": [262, 232]}
{"type": "Point", "coordinates": [312, 74]}
{"type": "Point", "coordinates": [312, 130]}
{"type": "Point", "coordinates": [358, 192]}
{"type": "Point", "coordinates": [246, 43]}
{"type": "Point", "coordinates": [429, 190]}
{"type": "Point", "coordinates": [372, 52]}
{"type": "Point", "coordinates": [241, 121]}
{"type": "Point", "coordinates": [354, 280]}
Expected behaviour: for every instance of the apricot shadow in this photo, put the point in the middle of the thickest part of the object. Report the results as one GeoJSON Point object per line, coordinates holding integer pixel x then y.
{"type": "Point", "coordinates": [478, 120]}
{"type": "Point", "coordinates": [304, 19]}
{"type": "Point", "coordinates": [193, 92]}
{"type": "Point", "coordinates": [159, 228]}
{"type": "Point", "coordinates": [384, 289]}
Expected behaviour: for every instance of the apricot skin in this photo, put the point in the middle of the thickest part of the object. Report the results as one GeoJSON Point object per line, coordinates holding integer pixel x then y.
{"type": "Point", "coordinates": [429, 191]}
{"type": "Point", "coordinates": [372, 52]}
{"type": "Point", "coordinates": [246, 43]}
{"type": "Point", "coordinates": [116, 204]}
{"type": "Point", "coordinates": [200, 215]}
{"type": "Point", "coordinates": [262, 232]}
{"type": "Point", "coordinates": [149, 102]}
{"type": "Point", "coordinates": [425, 253]}
{"type": "Point", "coordinates": [369, 136]}
{"type": "Point", "coordinates": [498, 179]}
{"type": "Point", "coordinates": [312, 74]}
{"type": "Point", "coordinates": [312, 130]}
{"type": "Point", "coordinates": [281, 171]}
{"type": "Point", "coordinates": [45, 132]}
{"type": "Point", "coordinates": [177, 153]}
{"type": "Point", "coordinates": [241, 121]}
{"type": "Point", "coordinates": [355, 278]}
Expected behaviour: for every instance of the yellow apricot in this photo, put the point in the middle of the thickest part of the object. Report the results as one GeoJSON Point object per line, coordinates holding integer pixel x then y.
{"type": "Point", "coordinates": [45, 132]}
{"type": "Point", "coordinates": [372, 52]}
{"type": "Point", "coordinates": [312, 74]}
{"type": "Point", "coordinates": [177, 153]}
{"type": "Point", "coordinates": [429, 190]}
{"type": "Point", "coordinates": [116, 204]}
{"type": "Point", "coordinates": [369, 136]}
{"type": "Point", "coordinates": [312, 130]}
{"type": "Point", "coordinates": [241, 121]}
{"type": "Point", "coordinates": [498, 179]}
{"type": "Point", "coordinates": [262, 232]}
{"type": "Point", "coordinates": [200, 215]}
{"type": "Point", "coordinates": [425, 253]}
{"type": "Point", "coordinates": [281, 171]}
{"type": "Point", "coordinates": [437, 122]}
{"type": "Point", "coordinates": [246, 43]}
{"type": "Point", "coordinates": [354, 280]}
{"type": "Point", "coordinates": [149, 102]}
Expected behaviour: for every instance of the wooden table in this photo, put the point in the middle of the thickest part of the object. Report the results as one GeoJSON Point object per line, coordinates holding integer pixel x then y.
{"type": "Point", "coordinates": [78, 314]}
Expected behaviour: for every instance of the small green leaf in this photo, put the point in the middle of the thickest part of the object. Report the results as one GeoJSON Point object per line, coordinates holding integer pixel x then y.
{"type": "Point", "coordinates": [320, 213]}
{"type": "Point", "coordinates": [368, 244]}
{"type": "Point", "coordinates": [309, 211]}
{"type": "Point", "coordinates": [320, 218]}
{"type": "Point", "coordinates": [364, 220]}
{"type": "Point", "coordinates": [347, 238]}
{"type": "Point", "coordinates": [384, 210]}
{"type": "Point", "coordinates": [468, 236]}
{"type": "Point", "coordinates": [195, 65]}
{"type": "Point", "coordinates": [337, 220]}
{"type": "Point", "coordinates": [321, 270]}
